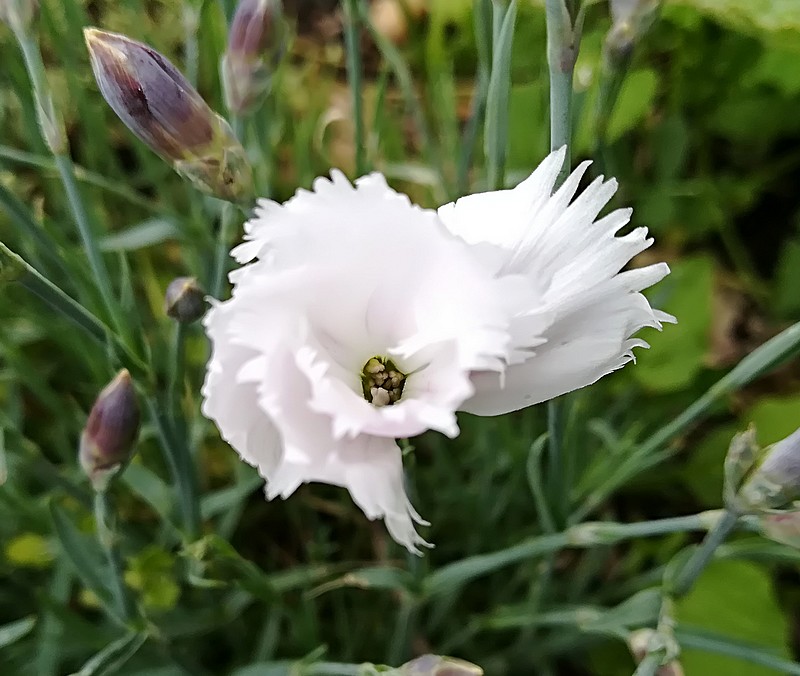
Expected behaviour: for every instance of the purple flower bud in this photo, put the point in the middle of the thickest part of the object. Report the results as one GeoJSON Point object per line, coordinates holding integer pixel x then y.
{"type": "Point", "coordinates": [157, 103]}
{"type": "Point", "coordinates": [255, 45]}
{"type": "Point", "coordinates": [111, 430]}
{"type": "Point", "coordinates": [184, 300]}
{"type": "Point", "coordinates": [776, 481]}
{"type": "Point", "coordinates": [436, 665]}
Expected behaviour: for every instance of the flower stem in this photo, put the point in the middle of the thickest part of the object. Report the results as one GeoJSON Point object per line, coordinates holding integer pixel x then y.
{"type": "Point", "coordinates": [562, 51]}
{"type": "Point", "coordinates": [701, 556]}
{"type": "Point", "coordinates": [181, 467]}
{"type": "Point", "coordinates": [177, 365]}
{"type": "Point", "coordinates": [52, 128]}
{"type": "Point", "coordinates": [227, 221]}
{"type": "Point", "coordinates": [352, 38]}
{"type": "Point", "coordinates": [583, 536]}
{"type": "Point", "coordinates": [107, 538]}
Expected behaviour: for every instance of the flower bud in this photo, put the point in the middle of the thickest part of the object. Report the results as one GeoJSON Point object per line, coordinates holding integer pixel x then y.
{"type": "Point", "coordinates": [255, 45]}
{"type": "Point", "coordinates": [184, 300]}
{"type": "Point", "coordinates": [18, 14]}
{"type": "Point", "coordinates": [739, 461]}
{"type": "Point", "coordinates": [435, 665]}
{"type": "Point", "coordinates": [783, 527]}
{"type": "Point", "coordinates": [110, 432]}
{"type": "Point", "coordinates": [776, 481]}
{"type": "Point", "coordinates": [159, 106]}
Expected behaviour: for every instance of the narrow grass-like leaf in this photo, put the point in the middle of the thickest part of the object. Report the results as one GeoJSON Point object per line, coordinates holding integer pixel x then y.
{"type": "Point", "coordinates": [496, 128]}
{"type": "Point", "coordinates": [761, 361]}
{"type": "Point", "coordinates": [142, 235]}
{"type": "Point", "coordinates": [86, 559]}
{"type": "Point", "coordinates": [14, 268]}
{"type": "Point", "coordinates": [224, 499]}
{"type": "Point", "coordinates": [14, 631]}
{"type": "Point", "coordinates": [113, 656]}
{"type": "Point", "coordinates": [722, 645]}
{"type": "Point", "coordinates": [228, 566]}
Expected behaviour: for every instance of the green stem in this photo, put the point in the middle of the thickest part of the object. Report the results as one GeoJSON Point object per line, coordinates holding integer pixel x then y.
{"type": "Point", "coordinates": [53, 133]}
{"type": "Point", "coordinates": [774, 352]}
{"type": "Point", "coordinates": [84, 175]}
{"type": "Point", "coordinates": [227, 222]}
{"type": "Point", "coordinates": [181, 466]}
{"type": "Point", "coordinates": [703, 554]}
{"type": "Point", "coordinates": [352, 39]}
{"type": "Point", "coordinates": [108, 541]}
{"type": "Point", "coordinates": [649, 665]}
{"type": "Point", "coordinates": [562, 51]}
{"type": "Point", "coordinates": [585, 535]}
{"type": "Point", "coordinates": [177, 366]}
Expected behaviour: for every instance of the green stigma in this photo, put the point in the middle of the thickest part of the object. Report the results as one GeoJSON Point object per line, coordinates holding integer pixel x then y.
{"type": "Point", "coordinates": [382, 382]}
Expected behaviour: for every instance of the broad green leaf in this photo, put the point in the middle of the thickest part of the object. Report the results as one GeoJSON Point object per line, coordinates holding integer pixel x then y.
{"type": "Point", "coordinates": [774, 418]}
{"type": "Point", "coordinates": [677, 354]}
{"type": "Point", "coordinates": [634, 102]}
{"type": "Point", "coordinates": [758, 17]}
{"type": "Point", "coordinates": [736, 600]}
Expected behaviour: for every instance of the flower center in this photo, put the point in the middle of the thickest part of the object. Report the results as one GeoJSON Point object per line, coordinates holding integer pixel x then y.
{"type": "Point", "coordinates": [382, 382]}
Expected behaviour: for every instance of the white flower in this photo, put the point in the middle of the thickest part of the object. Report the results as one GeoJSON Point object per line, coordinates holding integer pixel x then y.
{"type": "Point", "coordinates": [359, 320]}
{"type": "Point", "coordinates": [584, 311]}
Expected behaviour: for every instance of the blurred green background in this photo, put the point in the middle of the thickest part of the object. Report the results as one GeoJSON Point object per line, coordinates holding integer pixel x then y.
{"type": "Point", "coordinates": [705, 142]}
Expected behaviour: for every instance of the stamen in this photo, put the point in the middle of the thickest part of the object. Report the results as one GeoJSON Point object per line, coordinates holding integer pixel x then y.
{"type": "Point", "coordinates": [382, 382]}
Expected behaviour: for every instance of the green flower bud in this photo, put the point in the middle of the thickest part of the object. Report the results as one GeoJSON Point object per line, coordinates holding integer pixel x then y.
{"type": "Point", "coordinates": [108, 439]}
{"type": "Point", "coordinates": [256, 43]}
{"type": "Point", "coordinates": [739, 461]}
{"type": "Point", "coordinates": [776, 481]}
{"type": "Point", "coordinates": [184, 300]}
{"type": "Point", "coordinates": [436, 665]}
{"type": "Point", "coordinates": [159, 106]}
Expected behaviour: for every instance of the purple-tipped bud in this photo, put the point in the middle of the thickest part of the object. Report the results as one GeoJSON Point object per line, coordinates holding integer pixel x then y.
{"type": "Point", "coordinates": [436, 665]}
{"type": "Point", "coordinates": [184, 300]}
{"type": "Point", "coordinates": [112, 427]}
{"type": "Point", "coordinates": [776, 481]}
{"type": "Point", "coordinates": [157, 103]}
{"type": "Point", "coordinates": [18, 14]}
{"type": "Point", "coordinates": [256, 43]}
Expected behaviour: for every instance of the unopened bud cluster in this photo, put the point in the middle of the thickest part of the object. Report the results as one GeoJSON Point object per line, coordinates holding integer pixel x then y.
{"type": "Point", "coordinates": [108, 439]}
{"type": "Point", "coordinates": [256, 42]}
{"type": "Point", "coordinates": [157, 103]}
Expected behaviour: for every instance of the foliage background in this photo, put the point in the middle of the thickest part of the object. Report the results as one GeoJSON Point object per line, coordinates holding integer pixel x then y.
{"type": "Point", "coordinates": [705, 142]}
